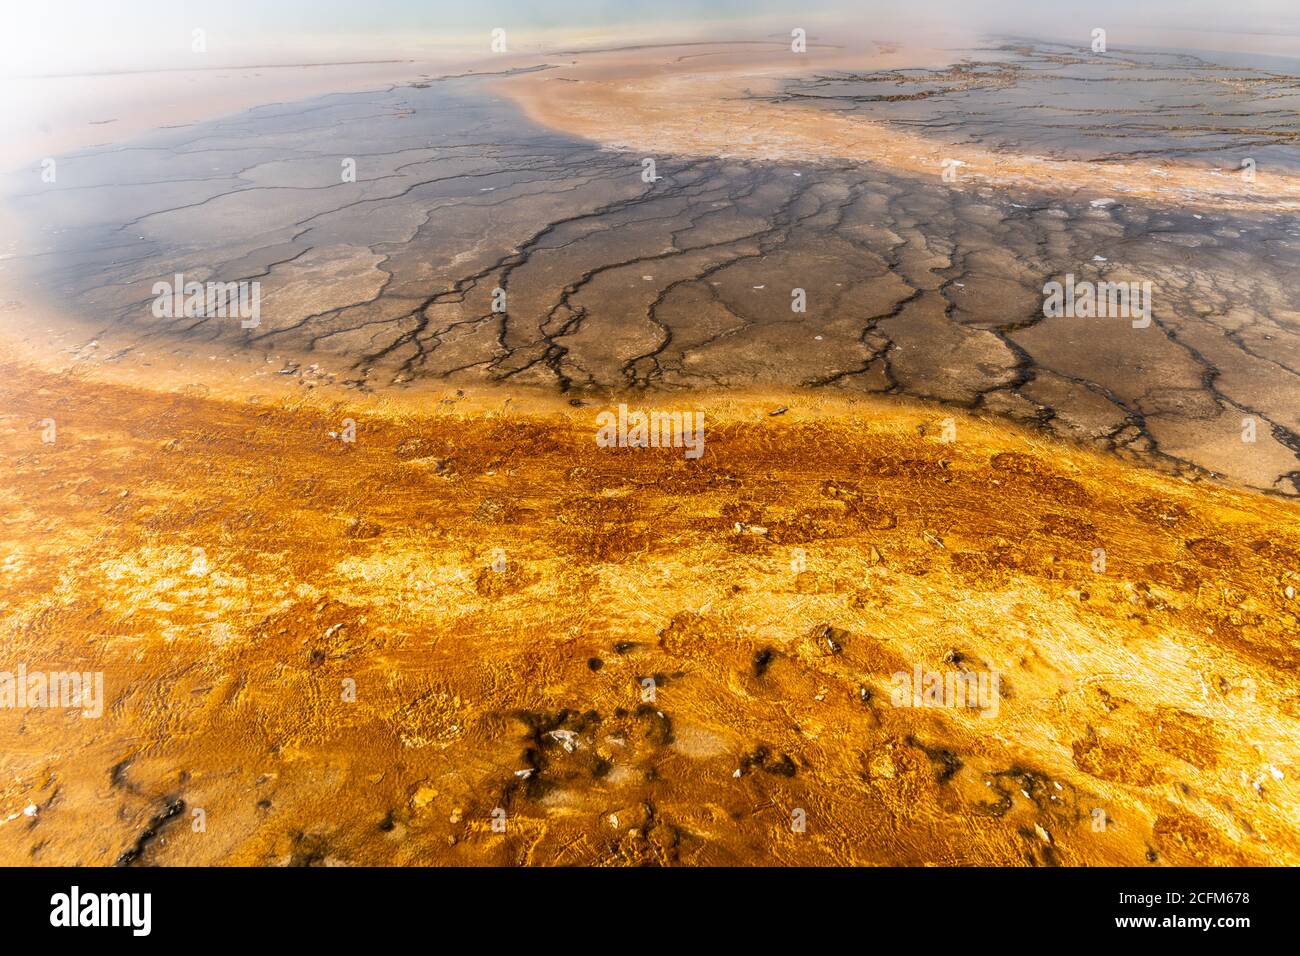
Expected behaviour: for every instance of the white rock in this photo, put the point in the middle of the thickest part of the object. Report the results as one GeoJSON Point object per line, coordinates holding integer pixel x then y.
{"type": "Point", "coordinates": [567, 738]}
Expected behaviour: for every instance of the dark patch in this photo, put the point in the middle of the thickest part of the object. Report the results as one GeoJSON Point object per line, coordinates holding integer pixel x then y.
{"type": "Point", "coordinates": [762, 758]}
{"type": "Point", "coordinates": [660, 679]}
{"type": "Point", "coordinates": [173, 808]}
{"type": "Point", "coordinates": [542, 747]}
{"type": "Point", "coordinates": [998, 807]}
{"type": "Point", "coordinates": [307, 850]}
{"type": "Point", "coordinates": [947, 762]}
{"type": "Point", "coordinates": [659, 728]}
{"type": "Point", "coordinates": [117, 773]}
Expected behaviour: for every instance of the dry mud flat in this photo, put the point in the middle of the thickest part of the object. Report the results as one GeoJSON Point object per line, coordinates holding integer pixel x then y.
{"type": "Point", "coordinates": [913, 286]}
{"type": "Point", "coordinates": [498, 588]}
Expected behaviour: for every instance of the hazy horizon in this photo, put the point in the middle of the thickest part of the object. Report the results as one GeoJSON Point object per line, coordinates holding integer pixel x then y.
{"type": "Point", "coordinates": [81, 36]}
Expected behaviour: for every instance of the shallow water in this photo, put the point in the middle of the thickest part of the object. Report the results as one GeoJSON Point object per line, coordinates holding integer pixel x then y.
{"type": "Point", "coordinates": [1040, 98]}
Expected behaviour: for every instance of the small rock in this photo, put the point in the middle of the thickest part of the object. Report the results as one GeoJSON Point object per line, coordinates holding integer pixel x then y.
{"type": "Point", "coordinates": [567, 738]}
{"type": "Point", "coordinates": [829, 640]}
